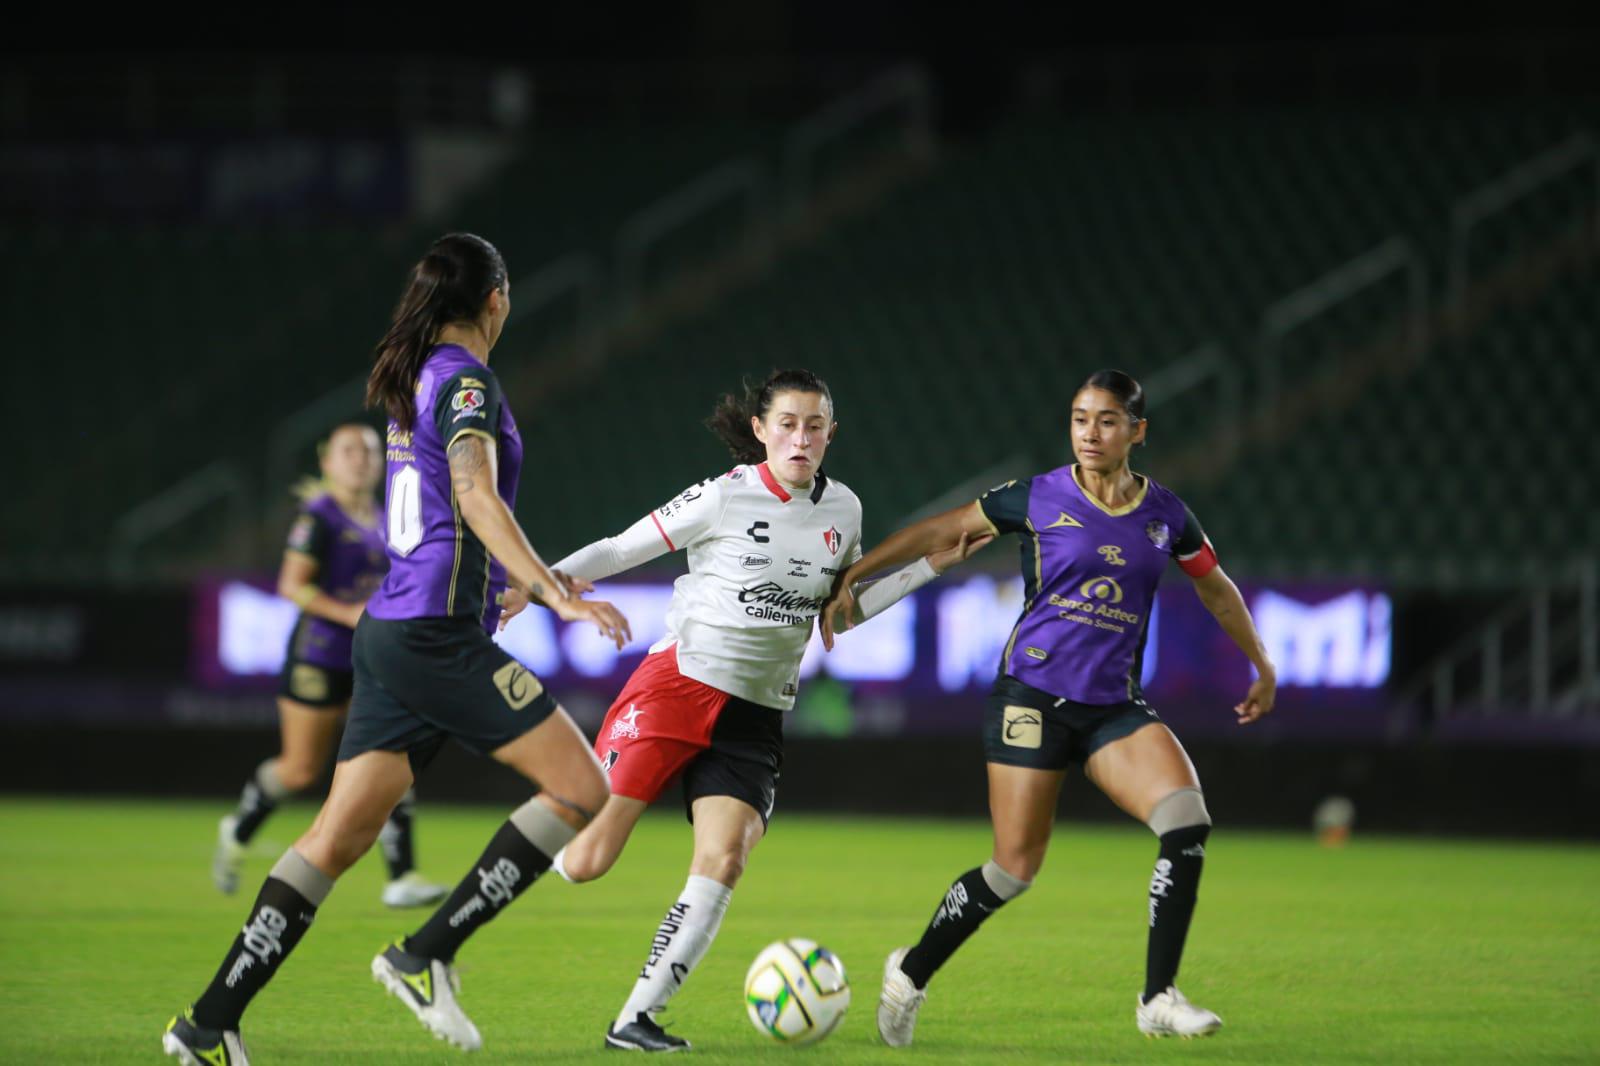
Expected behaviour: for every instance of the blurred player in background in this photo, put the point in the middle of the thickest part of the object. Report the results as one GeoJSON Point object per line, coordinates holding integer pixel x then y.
{"type": "Point", "coordinates": [425, 666]}
{"type": "Point", "coordinates": [765, 541]}
{"type": "Point", "coordinates": [1095, 538]}
{"type": "Point", "coordinates": [334, 560]}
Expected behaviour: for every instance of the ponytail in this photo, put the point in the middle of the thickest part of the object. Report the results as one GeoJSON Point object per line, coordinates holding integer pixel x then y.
{"type": "Point", "coordinates": [730, 418]}
{"type": "Point", "coordinates": [448, 285]}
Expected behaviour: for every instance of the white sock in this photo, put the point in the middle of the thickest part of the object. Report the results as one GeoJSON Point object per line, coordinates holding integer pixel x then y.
{"type": "Point", "coordinates": [559, 865]}
{"type": "Point", "coordinates": [680, 943]}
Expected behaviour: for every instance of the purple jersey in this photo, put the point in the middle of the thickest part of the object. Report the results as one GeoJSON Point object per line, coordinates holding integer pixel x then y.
{"type": "Point", "coordinates": [1091, 575]}
{"type": "Point", "coordinates": [350, 563]}
{"type": "Point", "coordinates": [438, 566]}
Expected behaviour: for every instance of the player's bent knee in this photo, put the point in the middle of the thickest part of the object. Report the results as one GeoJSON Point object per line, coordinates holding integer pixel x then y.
{"type": "Point", "coordinates": [587, 863]}
{"type": "Point", "coordinates": [1023, 864]}
{"type": "Point", "coordinates": [1181, 808]}
{"type": "Point", "coordinates": [724, 867]}
{"type": "Point", "coordinates": [296, 778]}
{"type": "Point", "coordinates": [336, 852]}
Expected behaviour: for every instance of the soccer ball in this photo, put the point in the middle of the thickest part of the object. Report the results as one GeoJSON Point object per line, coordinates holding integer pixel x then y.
{"type": "Point", "coordinates": [796, 991]}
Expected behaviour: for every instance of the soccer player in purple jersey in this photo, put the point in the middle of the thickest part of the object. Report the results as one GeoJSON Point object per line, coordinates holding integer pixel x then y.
{"type": "Point", "coordinates": [425, 667]}
{"type": "Point", "coordinates": [334, 560]}
{"type": "Point", "coordinates": [1096, 538]}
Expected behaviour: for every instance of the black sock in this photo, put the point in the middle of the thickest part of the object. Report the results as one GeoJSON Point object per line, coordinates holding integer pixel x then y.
{"type": "Point", "coordinates": [278, 920]}
{"type": "Point", "coordinates": [1173, 887]}
{"type": "Point", "coordinates": [507, 867]}
{"type": "Point", "coordinates": [969, 901]}
{"type": "Point", "coordinates": [254, 805]}
{"type": "Point", "coordinates": [396, 840]}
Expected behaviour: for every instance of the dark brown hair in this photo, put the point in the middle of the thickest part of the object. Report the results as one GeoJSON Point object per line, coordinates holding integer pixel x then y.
{"type": "Point", "coordinates": [730, 419]}
{"type": "Point", "coordinates": [1129, 393]}
{"type": "Point", "coordinates": [449, 284]}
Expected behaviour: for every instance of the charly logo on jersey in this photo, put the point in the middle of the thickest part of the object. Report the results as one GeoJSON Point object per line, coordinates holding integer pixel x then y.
{"type": "Point", "coordinates": [466, 403]}
{"type": "Point", "coordinates": [755, 561]}
{"type": "Point", "coordinates": [1159, 534]}
{"type": "Point", "coordinates": [1112, 554]}
{"type": "Point", "coordinates": [612, 755]}
{"type": "Point", "coordinates": [833, 539]}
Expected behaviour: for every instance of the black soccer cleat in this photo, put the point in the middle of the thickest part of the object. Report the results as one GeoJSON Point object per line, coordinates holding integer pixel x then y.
{"type": "Point", "coordinates": [643, 1034]}
{"type": "Point", "coordinates": [193, 1045]}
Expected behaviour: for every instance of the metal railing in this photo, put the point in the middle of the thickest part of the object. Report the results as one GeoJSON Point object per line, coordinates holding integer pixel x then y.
{"type": "Point", "coordinates": [1514, 185]}
{"type": "Point", "coordinates": [1207, 365]}
{"type": "Point", "coordinates": [1397, 254]}
{"type": "Point", "coordinates": [741, 181]}
{"type": "Point", "coordinates": [576, 275]}
{"type": "Point", "coordinates": [904, 88]}
{"type": "Point", "coordinates": [597, 308]}
{"type": "Point", "coordinates": [220, 480]}
{"type": "Point", "coordinates": [1551, 634]}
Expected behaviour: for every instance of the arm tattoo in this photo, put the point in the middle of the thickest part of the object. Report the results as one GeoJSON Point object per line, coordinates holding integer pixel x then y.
{"type": "Point", "coordinates": [466, 459]}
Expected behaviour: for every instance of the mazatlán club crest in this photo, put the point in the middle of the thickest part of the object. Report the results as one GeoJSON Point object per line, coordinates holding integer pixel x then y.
{"type": "Point", "coordinates": [1159, 534]}
{"type": "Point", "coordinates": [832, 539]}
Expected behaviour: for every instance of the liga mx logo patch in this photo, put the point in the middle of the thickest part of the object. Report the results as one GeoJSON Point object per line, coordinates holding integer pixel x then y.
{"type": "Point", "coordinates": [466, 403]}
{"type": "Point", "coordinates": [832, 539]}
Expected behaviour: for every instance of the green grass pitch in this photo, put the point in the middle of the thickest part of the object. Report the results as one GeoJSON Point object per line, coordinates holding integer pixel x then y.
{"type": "Point", "coordinates": [1387, 951]}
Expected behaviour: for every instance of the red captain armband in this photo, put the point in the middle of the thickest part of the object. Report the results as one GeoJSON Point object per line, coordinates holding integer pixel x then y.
{"type": "Point", "coordinates": [1201, 562]}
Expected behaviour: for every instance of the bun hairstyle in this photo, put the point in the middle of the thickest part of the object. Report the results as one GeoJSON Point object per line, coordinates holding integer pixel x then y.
{"type": "Point", "coordinates": [449, 284]}
{"type": "Point", "coordinates": [730, 419]}
{"type": "Point", "coordinates": [1129, 393]}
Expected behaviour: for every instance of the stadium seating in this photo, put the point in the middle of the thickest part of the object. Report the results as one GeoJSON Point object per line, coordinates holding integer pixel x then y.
{"type": "Point", "coordinates": [952, 321]}
{"type": "Point", "coordinates": [190, 343]}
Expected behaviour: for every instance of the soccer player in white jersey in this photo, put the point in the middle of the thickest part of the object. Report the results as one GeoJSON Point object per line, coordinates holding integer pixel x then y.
{"type": "Point", "coordinates": [765, 541]}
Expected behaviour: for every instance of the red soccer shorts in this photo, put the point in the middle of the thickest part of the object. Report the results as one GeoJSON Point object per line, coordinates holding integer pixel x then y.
{"type": "Point", "coordinates": [658, 723]}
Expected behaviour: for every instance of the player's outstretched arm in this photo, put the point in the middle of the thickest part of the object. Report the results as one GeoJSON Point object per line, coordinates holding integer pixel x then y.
{"type": "Point", "coordinates": [473, 478]}
{"type": "Point", "coordinates": [1221, 597]}
{"type": "Point", "coordinates": [872, 598]}
{"type": "Point", "coordinates": [922, 540]}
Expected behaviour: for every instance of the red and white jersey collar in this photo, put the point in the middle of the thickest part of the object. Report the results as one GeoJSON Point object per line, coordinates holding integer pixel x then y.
{"type": "Point", "coordinates": [774, 486]}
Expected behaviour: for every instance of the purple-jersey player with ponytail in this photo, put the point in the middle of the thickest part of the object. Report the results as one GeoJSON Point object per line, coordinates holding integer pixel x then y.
{"type": "Point", "coordinates": [1096, 538]}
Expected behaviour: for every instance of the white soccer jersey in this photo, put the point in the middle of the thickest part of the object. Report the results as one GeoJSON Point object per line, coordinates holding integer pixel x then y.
{"type": "Point", "coordinates": [761, 566]}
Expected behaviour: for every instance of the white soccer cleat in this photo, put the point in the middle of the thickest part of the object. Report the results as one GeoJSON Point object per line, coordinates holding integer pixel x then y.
{"type": "Point", "coordinates": [1169, 1014]}
{"type": "Point", "coordinates": [899, 1003]}
{"type": "Point", "coordinates": [411, 889]}
{"type": "Point", "coordinates": [228, 857]}
{"type": "Point", "coordinates": [429, 988]}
